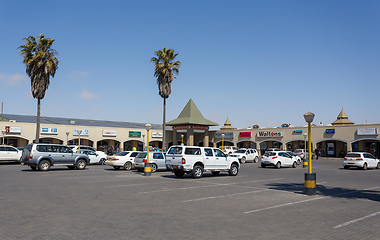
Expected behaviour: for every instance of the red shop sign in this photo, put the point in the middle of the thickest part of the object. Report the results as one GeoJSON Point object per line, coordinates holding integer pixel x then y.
{"type": "Point", "coordinates": [245, 134]}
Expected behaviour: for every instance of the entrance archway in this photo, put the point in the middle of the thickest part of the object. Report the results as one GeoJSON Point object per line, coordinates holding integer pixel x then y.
{"type": "Point", "coordinates": [332, 147]}
{"type": "Point", "coordinates": [246, 144]}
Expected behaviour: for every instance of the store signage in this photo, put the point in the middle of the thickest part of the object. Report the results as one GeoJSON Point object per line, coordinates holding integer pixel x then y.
{"type": "Point", "coordinates": [330, 130]}
{"type": "Point", "coordinates": [157, 135]}
{"type": "Point", "coordinates": [85, 132]}
{"type": "Point", "coordinates": [269, 134]}
{"type": "Point", "coordinates": [9, 129]}
{"type": "Point", "coordinates": [179, 127]}
{"type": "Point", "coordinates": [245, 134]}
{"type": "Point", "coordinates": [190, 126]}
{"type": "Point", "coordinates": [109, 133]}
{"type": "Point", "coordinates": [298, 131]}
{"type": "Point", "coordinates": [133, 134]}
{"type": "Point", "coordinates": [199, 127]}
{"type": "Point", "coordinates": [49, 130]}
{"type": "Point", "coordinates": [367, 131]}
{"type": "Point", "coordinates": [226, 134]}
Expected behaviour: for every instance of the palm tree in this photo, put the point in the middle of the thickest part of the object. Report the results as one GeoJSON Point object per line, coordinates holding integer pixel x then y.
{"type": "Point", "coordinates": [165, 66]}
{"type": "Point", "coordinates": [41, 63]}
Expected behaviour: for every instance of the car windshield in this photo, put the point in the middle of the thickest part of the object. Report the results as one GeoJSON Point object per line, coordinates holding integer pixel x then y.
{"type": "Point", "coordinates": [141, 155]}
{"type": "Point", "coordinates": [297, 151]}
{"type": "Point", "coordinates": [290, 153]}
{"type": "Point", "coordinates": [240, 151]}
{"type": "Point", "coordinates": [175, 150]}
{"type": "Point", "coordinates": [353, 155]}
{"type": "Point", "coordinates": [122, 154]}
{"type": "Point", "coordinates": [269, 154]}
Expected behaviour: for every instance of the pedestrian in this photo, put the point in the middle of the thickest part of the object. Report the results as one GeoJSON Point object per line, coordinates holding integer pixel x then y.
{"type": "Point", "coordinates": [316, 153]}
{"type": "Point", "coordinates": [134, 148]}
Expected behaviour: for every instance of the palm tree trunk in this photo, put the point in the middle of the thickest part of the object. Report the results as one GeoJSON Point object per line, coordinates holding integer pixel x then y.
{"type": "Point", "coordinates": [163, 126]}
{"type": "Point", "coordinates": [38, 121]}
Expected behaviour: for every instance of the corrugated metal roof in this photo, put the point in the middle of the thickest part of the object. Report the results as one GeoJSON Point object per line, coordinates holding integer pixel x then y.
{"type": "Point", "coordinates": [77, 121]}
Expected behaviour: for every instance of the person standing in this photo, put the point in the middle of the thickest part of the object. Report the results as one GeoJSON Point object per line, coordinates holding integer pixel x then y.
{"type": "Point", "coordinates": [316, 153]}
{"type": "Point", "coordinates": [134, 148]}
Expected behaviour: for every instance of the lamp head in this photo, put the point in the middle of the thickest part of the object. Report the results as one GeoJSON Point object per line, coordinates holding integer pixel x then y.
{"type": "Point", "coordinates": [79, 131]}
{"type": "Point", "coordinates": [309, 117]}
{"type": "Point", "coordinates": [148, 126]}
{"type": "Point", "coordinates": [223, 135]}
{"type": "Point", "coordinates": [182, 135]}
{"type": "Point", "coordinates": [67, 133]}
{"type": "Point", "coordinates": [304, 135]}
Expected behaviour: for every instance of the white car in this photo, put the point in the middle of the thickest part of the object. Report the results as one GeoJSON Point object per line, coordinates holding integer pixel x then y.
{"type": "Point", "coordinates": [301, 153]}
{"type": "Point", "coordinates": [125, 159]}
{"type": "Point", "coordinates": [229, 149]}
{"type": "Point", "coordinates": [101, 154]}
{"type": "Point", "coordinates": [246, 154]}
{"type": "Point", "coordinates": [9, 153]}
{"type": "Point", "coordinates": [157, 160]}
{"type": "Point", "coordinates": [278, 159]}
{"type": "Point", "coordinates": [93, 156]}
{"type": "Point", "coordinates": [361, 160]}
{"type": "Point", "coordinates": [296, 157]}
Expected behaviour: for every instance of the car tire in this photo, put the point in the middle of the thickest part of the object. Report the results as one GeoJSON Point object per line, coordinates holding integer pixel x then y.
{"type": "Point", "coordinates": [71, 167]}
{"type": "Point", "coordinates": [298, 162]}
{"type": "Point", "coordinates": [234, 170]}
{"type": "Point", "coordinates": [127, 165]}
{"type": "Point", "coordinates": [34, 168]}
{"type": "Point", "coordinates": [102, 161]}
{"type": "Point", "coordinates": [256, 159]}
{"type": "Point", "coordinates": [215, 173]}
{"type": "Point", "coordinates": [25, 155]}
{"type": "Point", "coordinates": [116, 167]}
{"type": "Point", "coordinates": [153, 168]}
{"type": "Point", "coordinates": [242, 160]}
{"type": "Point", "coordinates": [278, 165]}
{"type": "Point", "coordinates": [263, 165]}
{"type": "Point", "coordinates": [197, 171]}
{"type": "Point", "coordinates": [179, 173]}
{"type": "Point", "coordinates": [364, 166]}
{"type": "Point", "coordinates": [44, 165]}
{"type": "Point", "coordinates": [294, 165]}
{"type": "Point", "coordinates": [378, 165]}
{"type": "Point", "coordinates": [81, 164]}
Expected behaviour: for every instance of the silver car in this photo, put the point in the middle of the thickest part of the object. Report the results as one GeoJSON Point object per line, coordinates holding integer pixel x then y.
{"type": "Point", "coordinates": [157, 159]}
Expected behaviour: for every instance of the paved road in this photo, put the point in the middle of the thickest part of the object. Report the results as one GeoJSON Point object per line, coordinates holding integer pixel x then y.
{"type": "Point", "coordinates": [102, 203]}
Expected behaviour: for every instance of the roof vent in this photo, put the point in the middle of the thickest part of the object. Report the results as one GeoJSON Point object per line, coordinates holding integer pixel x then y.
{"type": "Point", "coordinates": [72, 121]}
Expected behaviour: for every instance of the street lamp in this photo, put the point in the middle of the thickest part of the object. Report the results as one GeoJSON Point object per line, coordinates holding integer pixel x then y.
{"type": "Point", "coordinates": [304, 154]}
{"type": "Point", "coordinates": [182, 139]}
{"type": "Point", "coordinates": [143, 142]}
{"type": "Point", "coordinates": [79, 132]}
{"type": "Point", "coordinates": [223, 142]}
{"type": "Point", "coordinates": [3, 132]}
{"type": "Point", "coordinates": [67, 138]}
{"type": "Point", "coordinates": [147, 167]}
{"type": "Point", "coordinates": [310, 178]}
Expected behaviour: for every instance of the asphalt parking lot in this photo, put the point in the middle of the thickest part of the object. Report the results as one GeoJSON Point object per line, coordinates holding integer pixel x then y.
{"type": "Point", "coordinates": [260, 203]}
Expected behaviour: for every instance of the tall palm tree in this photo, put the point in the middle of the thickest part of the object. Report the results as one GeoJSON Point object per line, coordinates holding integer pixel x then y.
{"type": "Point", "coordinates": [165, 66]}
{"type": "Point", "coordinates": [41, 63]}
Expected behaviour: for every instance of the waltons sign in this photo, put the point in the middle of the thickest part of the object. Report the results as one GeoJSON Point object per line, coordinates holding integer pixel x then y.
{"type": "Point", "coordinates": [269, 134]}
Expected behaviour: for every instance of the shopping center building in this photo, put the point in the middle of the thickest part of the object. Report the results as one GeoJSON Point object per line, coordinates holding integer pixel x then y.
{"type": "Point", "coordinates": [191, 128]}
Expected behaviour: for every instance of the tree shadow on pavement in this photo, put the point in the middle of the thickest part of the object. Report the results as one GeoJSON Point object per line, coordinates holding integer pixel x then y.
{"type": "Point", "coordinates": [372, 194]}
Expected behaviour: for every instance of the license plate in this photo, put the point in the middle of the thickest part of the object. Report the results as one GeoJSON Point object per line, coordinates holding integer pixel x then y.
{"type": "Point", "coordinates": [351, 163]}
{"type": "Point", "coordinates": [136, 165]}
{"type": "Point", "coordinates": [175, 166]}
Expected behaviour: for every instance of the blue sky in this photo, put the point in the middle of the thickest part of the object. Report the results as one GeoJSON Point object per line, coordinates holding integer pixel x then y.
{"type": "Point", "coordinates": [255, 62]}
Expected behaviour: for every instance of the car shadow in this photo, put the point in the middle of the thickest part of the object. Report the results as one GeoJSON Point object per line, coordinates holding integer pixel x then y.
{"type": "Point", "coordinates": [334, 192]}
{"type": "Point", "coordinates": [53, 170]}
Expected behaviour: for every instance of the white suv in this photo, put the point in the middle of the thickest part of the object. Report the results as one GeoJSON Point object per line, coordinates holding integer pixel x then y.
{"type": "Point", "coordinates": [101, 154]}
{"type": "Point", "coordinates": [246, 154]}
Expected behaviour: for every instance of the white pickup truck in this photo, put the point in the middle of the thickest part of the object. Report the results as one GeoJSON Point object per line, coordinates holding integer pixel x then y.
{"type": "Point", "coordinates": [196, 160]}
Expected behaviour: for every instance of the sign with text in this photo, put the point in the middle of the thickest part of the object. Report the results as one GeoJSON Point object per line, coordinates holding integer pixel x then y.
{"type": "Point", "coordinates": [157, 135]}
{"type": "Point", "coordinates": [367, 131]}
{"type": "Point", "coordinates": [9, 129]}
{"type": "Point", "coordinates": [49, 130]}
{"type": "Point", "coordinates": [245, 134]}
{"type": "Point", "coordinates": [330, 130]}
{"type": "Point", "coordinates": [109, 133]}
{"type": "Point", "coordinates": [226, 134]}
{"type": "Point", "coordinates": [134, 134]}
{"type": "Point", "coordinates": [298, 131]}
{"type": "Point", "coordinates": [85, 132]}
{"type": "Point", "coordinates": [179, 127]}
{"type": "Point", "coordinates": [269, 134]}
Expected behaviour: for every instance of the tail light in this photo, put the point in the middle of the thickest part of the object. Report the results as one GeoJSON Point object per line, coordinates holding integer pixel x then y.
{"type": "Point", "coordinates": [183, 161]}
{"type": "Point", "coordinates": [345, 158]}
{"type": "Point", "coordinates": [145, 160]}
{"type": "Point", "coordinates": [359, 159]}
{"type": "Point", "coordinates": [31, 156]}
{"type": "Point", "coordinates": [274, 157]}
{"type": "Point", "coordinates": [114, 159]}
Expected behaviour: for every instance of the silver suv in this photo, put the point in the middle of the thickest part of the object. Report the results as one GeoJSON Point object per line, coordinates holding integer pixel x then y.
{"type": "Point", "coordinates": [41, 156]}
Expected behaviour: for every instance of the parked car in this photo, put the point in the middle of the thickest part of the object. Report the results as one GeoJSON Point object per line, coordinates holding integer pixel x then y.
{"type": "Point", "coordinates": [9, 153]}
{"type": "Point", "coordinates": [157, 160]}
{"type": "Point", "coordinates": [272, 149]}
{"type": "Point", "coordinates": [101, 154]}
{"type": "Point", "coordinates": [196, 160]}
{"type": "Point", "coordinates": [296, 157]}
{"type": "Point", "coordinates": [278, 159]}
{"type": "Point", "coordinates": [93, 156]}
{"type": "Point", "coordinates": [125, 159]}
{"type": "Point", "coordinates": [229, 149]}
{"type": "Point", "coordinates": [301, 153]}
{"type": "Point", "coordinates": [246, 154]}
{"type": "Point", "coordinates": [361, 160]}
{"type": "Point", "coordinates": [42, 156]}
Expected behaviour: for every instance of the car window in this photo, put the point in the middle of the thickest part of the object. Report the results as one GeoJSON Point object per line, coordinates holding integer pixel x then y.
{"type": "Point", "coordinates": [240, 151]}
{"type": "Point", "coordinates": [64, 149]}
{"type": "Point", "coordinates": [269, 154]}
{"type": "Point", "coordinates": [158, 156]}
{"type": "Point", "coordinates": [134, 154]}
{"type": "Point", "coordinates": [42, 148]}
{"type": "Point", "coordinates": [208, 152]}
{"type": "Point", "coordinates": [122, 153]}
{"type": "Point", "coordinates": [367, 155]}
{"type": "Point", "coordinates": [219, 153]}
{"type": "Point", "coordinates": [175, 150]}
{"type": "Point", "coordinates": [193, 151]}
{"type": "Point", "coordinates": [11, 149]}
{"type": "Point", "coordinates": [353, 155]}
{"type": "Point", "coordinates": [141, 155]}
{"type": "Point", "coordinates": [2, 148]}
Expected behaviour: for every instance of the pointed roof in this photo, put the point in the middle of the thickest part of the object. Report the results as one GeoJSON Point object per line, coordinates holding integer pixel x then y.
{"type": "Point", "coordinates": [342, 119]}
{"type": "Point", "coordinates": [191, 115]}
{"type": "Point", "coordinates": [227, 125]}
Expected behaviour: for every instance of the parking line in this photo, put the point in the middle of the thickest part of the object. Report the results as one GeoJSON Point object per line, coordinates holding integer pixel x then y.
{"type": "Point", "coordinates": [228, 195]}
{"type": "Point", "coordinates": [356, 220]}
{"type": "Point", "coordinates": [131, 185]}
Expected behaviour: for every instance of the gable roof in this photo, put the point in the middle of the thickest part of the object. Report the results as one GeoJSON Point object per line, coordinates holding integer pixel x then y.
{"type": "Point", "coordinates": [191, 115]}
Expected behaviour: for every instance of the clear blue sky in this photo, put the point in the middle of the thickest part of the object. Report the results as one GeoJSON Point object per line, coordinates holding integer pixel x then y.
{"type": "Point", "coordinates": [255, 62]}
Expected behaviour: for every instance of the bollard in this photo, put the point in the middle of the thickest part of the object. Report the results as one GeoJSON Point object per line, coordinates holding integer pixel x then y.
{"type": "Point", "coordinates": [305, 163]}
{"type": "Point", "coordinates": [147, 169]}
{"type": "Point", "coordinates": [310, 183]}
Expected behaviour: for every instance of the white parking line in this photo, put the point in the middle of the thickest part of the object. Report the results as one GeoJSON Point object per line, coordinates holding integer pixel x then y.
{"type": "Point", "coordinates": [137, 184]}
{"type": "Point", "coordinates": [228, 195]}
{"type": "Point", "coordinates": [356, 220]}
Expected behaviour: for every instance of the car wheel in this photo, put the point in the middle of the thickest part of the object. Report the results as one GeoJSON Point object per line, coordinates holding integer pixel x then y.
{"type": "Point", "coordinates": [197, 171]}
{"type": "Point", "coordinates": [294, 165]}
{"type": "Point", "coordinates": [256, 159]}
{"type": "Point", "coordinates": [117, 168]}
{"type": "Point", "coordinates": [179, 173]}
{"type": "Point", "coordinates": [127, 165]}
{"type": "Point", "coordinates": [215, 173]}
{"type": "Point", "coordinates": [234, 170]}
{"type": "Point", "coordinates": [102, 161]}
{"type": "Point", "coordinates": [70, 167]}
{"type": "Point", "coordinates": [263, 165]}
{"type": "Point", "coordinates": [242, 160]}
{"type": "Point", "coordinates": [278, 165]}
{"type": "Point", "coordinates": [44, 165]}
{"type": "Point", "coordinates": [153, 168]}
{"type": "Point", "coordinates": [298, 162]}
{"type": "Point", "coordinates": [346, 167]}
{"type": "Point", "coordinates": [365, 166]}
{"type": "Point", "coordinates": [25, 155]}
{"type": "Point", "coordinates": [81, 164]}
{"type": "Point", "coordinates": [34, 168]}
{"type": "Point", "coordinates": [378, 165]}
